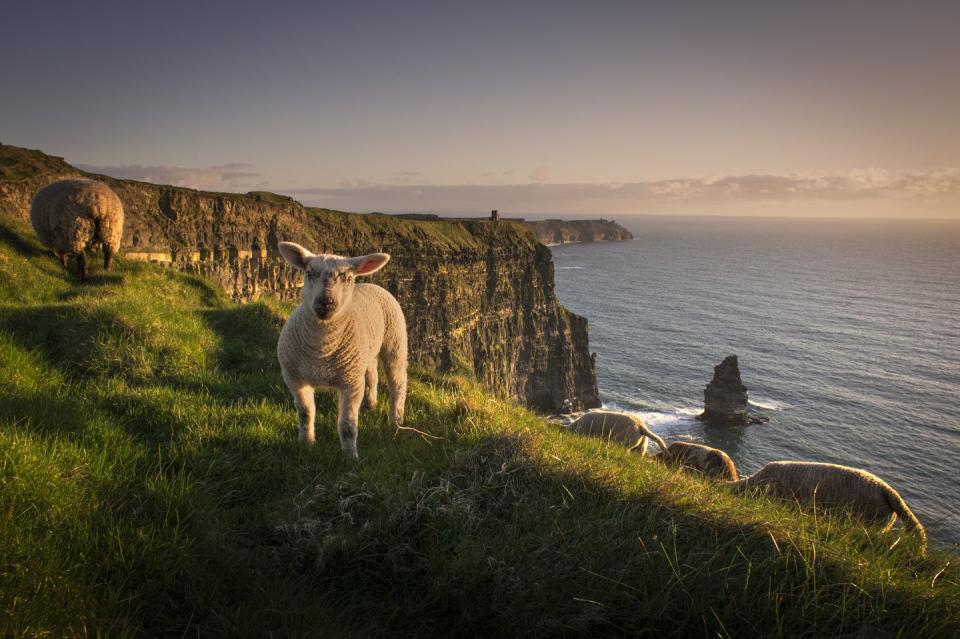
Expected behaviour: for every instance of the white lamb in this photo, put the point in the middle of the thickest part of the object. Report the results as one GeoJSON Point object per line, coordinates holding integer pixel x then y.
{"type": "Point", "coordinates": [333, 339]}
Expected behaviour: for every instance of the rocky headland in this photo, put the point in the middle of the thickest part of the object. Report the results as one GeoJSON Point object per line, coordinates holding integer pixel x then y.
{"type": "Point", "coordinates": [553, 232]}
{"type": "Point", "coordinates": [478, 295]}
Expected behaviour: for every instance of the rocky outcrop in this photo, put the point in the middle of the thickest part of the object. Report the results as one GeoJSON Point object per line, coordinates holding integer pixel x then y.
{"type": "Point", "coordinates": [478, 295]}
{"type": "Point", "coordinates": [725, 397]}
{"type": "Point", "coordinates": [552, 232]}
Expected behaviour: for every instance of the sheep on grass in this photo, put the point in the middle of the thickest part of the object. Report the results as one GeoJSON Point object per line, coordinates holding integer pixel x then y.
{"type": "Point", "coordinates": [712, 462]}
{"type": "Point", "coordinates": [622, 428]}
{"type": "Point", "coordinates": [334, 337]}
{"type": "Point", "coordinates": [71, 216]}
{"type": "Point", "coordinates": [833, 486]}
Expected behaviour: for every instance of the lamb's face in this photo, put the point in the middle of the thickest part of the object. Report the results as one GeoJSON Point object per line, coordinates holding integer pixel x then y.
{"type": "Point", "coordinates": [328, 283]}
{"type": "Point", "coordinates": [328, 280]}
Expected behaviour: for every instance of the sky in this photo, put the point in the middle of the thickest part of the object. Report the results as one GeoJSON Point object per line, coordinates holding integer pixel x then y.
{"type": "Point", "coordinates": [552, 108]}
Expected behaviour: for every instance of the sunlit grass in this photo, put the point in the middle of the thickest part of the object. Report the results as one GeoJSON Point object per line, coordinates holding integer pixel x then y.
{"type": "Point", "coordinates": [152, 484]}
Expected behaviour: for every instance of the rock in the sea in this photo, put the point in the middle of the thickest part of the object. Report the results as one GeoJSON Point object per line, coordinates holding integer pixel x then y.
{"type": "Point", "coordinates": [725, 397]}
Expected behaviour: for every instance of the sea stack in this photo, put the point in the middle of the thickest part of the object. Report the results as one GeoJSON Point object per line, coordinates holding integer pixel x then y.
{"type": "Point", "coordinates": [725, 397]}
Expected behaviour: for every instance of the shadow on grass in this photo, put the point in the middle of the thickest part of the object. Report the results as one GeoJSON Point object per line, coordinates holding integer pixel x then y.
{"type": "Point", "coordinates": [248, 337]}
{"type": "Point", "coordinates": [498, 543]}
{"type": "Point", "coordinates": [94, 280]}
{"type": "Point", "coordinates": [46, 414]}
{"type": "Point", "coordinates": [210, 295]}
{"type": "Point", "coordinates": [69, 340]}
{"type": "Point", "coordinates": [10, 236]}
{"type": "Point", "coordinates": [475, 532]}
{"type": "Point", "coordinates": [98, 342]}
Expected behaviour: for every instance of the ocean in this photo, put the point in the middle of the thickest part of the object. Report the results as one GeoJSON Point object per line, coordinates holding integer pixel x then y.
{"type": "Point", "coordinates": [847, 332]}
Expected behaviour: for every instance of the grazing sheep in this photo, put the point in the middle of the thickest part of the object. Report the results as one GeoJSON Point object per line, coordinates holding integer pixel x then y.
{"type": "Point", "coordinates": [712, 462]}
{"type": "Point", "coordinates": [333, 339]}
{"type": "Point", "coordinates": [71, 216]}
{"type": "Point", "coordinates": [623, 428]}
{"type": "Point", "coordinates": [833, 486]}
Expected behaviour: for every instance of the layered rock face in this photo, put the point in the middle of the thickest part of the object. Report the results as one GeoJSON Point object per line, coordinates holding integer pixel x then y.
{"type": "Point", "coordinates": [725, 397]}
{"type": "Point", "coordinates": [477, 295]}
{"type": "Point", "coordinates": [552, 232]}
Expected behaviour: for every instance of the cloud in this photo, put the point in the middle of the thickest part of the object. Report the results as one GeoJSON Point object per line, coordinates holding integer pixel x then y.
{"type": "Point", "coordinates": [931, 191]}
{"type": "Point", "coordinates": [540, 173]}
{"type": "Point", "coordinates": [233, 176]}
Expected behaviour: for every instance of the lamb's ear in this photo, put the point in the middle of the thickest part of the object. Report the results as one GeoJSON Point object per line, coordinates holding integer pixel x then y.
{"type": "Point", "coordinates": [367, 264]}
{"type": "Point", "coordinates": [295, 255]}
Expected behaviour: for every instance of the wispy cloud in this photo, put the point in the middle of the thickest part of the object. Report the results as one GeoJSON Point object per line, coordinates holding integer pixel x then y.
{"type": "Point", "coordinates": [233, 176]}
{"type": "Point", "coordinates": [541, 173]}
{"type": "Point", "coordinates": [705, 194]}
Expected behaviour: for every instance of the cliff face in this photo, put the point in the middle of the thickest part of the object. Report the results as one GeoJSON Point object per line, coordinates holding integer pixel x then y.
{"type": "Point", "coordinates": [552, 232]}
{"type": "Point", "coordinates": [477, 295]}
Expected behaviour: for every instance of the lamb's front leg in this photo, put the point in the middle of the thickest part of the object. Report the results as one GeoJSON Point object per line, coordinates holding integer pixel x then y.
{"type": "Point", "coordinates": [304, 399]}
{"type": "Point", "coordinates": [350, 399]}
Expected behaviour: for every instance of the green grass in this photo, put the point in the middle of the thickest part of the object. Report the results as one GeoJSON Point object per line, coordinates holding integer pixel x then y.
{"type": "Point", "coordinates": [152, 485]}
{"type": "Point", "coordinates": [26, 164]}
{"type": "Point", "coordinates": [412, 237]}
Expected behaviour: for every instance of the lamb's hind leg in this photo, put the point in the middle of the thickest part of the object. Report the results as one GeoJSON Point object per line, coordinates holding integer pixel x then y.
{"type": "Point", "coordinates": [350, 399]}
{"type": "Point", "coordinates": [370, 381]}
{"type": "Point", "coordinates": [107, 257]}
{"type": "Point", "coordinates": [396, 370]}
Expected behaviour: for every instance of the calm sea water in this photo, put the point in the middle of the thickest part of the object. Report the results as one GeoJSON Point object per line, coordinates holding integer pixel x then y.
{"type": "Point", "coordinates": [848, 334]}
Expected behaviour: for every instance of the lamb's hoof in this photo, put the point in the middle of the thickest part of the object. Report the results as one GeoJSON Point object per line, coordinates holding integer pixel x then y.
{"type": "Point", "coordinates": [351, 454]}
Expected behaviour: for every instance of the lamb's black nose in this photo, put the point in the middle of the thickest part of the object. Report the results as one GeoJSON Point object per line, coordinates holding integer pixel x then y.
{"type": "Point", "coordinates": [323, 308]}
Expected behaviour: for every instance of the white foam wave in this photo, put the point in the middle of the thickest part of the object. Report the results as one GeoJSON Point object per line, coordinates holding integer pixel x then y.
{"type": "Point", "coordinates": [663, 418]}
{"type": "Point", "coordinates": [768, 404]}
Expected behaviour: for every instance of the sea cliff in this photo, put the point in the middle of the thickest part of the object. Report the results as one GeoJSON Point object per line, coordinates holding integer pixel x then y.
{"type": "Point", "coordinates": [552, 232]}
{"type": "Point", "coordinates": [478, 295]}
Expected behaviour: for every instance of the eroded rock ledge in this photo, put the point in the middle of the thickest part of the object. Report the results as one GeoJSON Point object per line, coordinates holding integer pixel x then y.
{"type": "Point", "coordinates": [477, 294]}
{"type": "Point", "coordinates": [552, 232]}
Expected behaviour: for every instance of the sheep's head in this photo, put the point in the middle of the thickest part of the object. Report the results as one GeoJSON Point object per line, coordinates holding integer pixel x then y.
{"type": "Point", "coordinates": [328, 280]}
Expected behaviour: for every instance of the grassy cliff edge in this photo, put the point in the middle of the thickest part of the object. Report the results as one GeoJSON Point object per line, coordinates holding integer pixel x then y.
{"type": "Point", "coordinates": [151, 483]}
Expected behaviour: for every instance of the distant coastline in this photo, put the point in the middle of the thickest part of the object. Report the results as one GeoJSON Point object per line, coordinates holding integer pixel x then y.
{"type": "Point", "coordinates": [555, 232]}
{"type": "Point", "coordinates": [552, 232]}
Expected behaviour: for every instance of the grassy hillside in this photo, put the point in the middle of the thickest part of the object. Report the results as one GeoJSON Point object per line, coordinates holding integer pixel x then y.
{"type": "Point", "coordinates": [151, 484]}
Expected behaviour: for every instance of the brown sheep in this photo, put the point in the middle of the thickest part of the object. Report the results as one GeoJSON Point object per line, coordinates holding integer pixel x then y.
{"type": "Point", "coordinates": [622, 428]}
{"type": "Point", "coordinates": [712, 462]}
{"type": "Point", "coordinates": [833, 486]}
{"type": "Point", "coordinates": [71, 216]}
